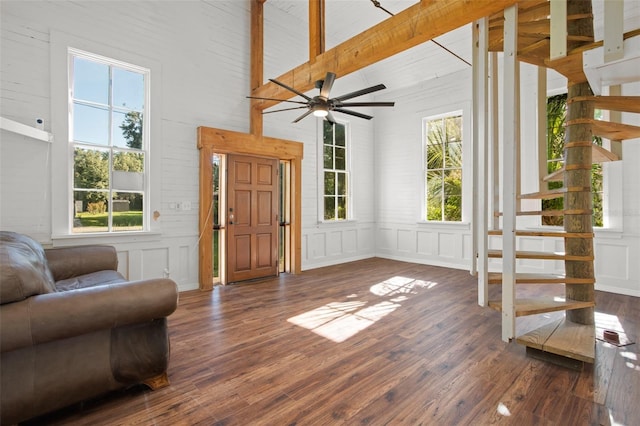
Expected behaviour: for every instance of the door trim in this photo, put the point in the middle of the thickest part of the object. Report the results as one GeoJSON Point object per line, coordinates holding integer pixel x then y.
{"type": "Point", "coordinates": [212, 140]}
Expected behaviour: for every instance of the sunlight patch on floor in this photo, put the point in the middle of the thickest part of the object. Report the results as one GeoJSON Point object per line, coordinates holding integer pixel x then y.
{"type": "Point", "coordinates": [503, 410]}
{"type": "Point", "coordinates": [338, 321]}
{"type": "Point", "coordinates": [399, 285]}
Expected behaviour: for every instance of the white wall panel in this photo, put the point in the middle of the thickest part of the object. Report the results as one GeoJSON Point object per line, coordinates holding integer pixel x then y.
{"type": "Point", "coordinates": [427, 243]}
{"type": "Point", "coordinates": [447, 245]}
{"type": "Point", "coordinates": [350, 241]}
{"type": "Point", "coordinates": [406, 241]}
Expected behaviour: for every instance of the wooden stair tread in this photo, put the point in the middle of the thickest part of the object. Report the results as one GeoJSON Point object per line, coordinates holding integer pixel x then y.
{"type": "Point", "coordinates": [602, 155]}
{"type": "Point", "coordinates": [557, 176]}
{"type": "Point", "coordinates": [530, 278]}
{"type": "Point", "coordinates": [526, 254]}
{"type": "Point", "coordinates": [614, 103]}
{"type": "Point", "coordinates": [526, 307]}
{"type": "Point", "coordinates": [556, 234]}
{"type": "Point", "coordinates": [571, 66]}
{"type": "Point", "coordinates": [547, 195]}
{"type": "Point", "coordinates": [548, 212]}
{"type": "Point", "coordinates": [608, 129]}
{"type": "Point", "coordinates": [615, 131]}
{"type": "Point", "coordinates": [562, 337]}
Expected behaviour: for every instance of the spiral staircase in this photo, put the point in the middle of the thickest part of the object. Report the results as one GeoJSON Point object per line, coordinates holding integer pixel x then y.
{"type": "Point", "coordinates": [564, 337]}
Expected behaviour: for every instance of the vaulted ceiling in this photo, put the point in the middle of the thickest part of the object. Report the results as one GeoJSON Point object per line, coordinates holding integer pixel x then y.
{"type": "Point", "coordinates": [347, 18]}
{"type": "Point", "coordinates": [446, 54]}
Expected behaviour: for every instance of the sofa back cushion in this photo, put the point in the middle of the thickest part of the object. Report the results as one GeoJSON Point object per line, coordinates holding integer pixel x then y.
{"type": "Point", "coordinates": [23, 268]}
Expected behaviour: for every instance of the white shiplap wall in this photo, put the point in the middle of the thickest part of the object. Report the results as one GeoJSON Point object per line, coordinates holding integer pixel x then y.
{"type": "Point", "coordinates": [202, 48]}
{"type": "Point", "coordinates": [401, 232]}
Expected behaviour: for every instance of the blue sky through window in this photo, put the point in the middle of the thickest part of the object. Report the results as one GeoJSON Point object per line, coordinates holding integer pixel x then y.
{"type": "Point", "coordinates": [93, 102]}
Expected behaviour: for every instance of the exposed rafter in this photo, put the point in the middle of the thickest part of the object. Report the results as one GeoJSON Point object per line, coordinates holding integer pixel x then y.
{"type": "Point", "coordinates": [411, 27]}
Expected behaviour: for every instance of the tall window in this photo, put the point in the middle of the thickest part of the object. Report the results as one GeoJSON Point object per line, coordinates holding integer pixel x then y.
{"type": "Point", "coordinates": [556, 116]}
{"type": "Point", "coordinates": [109, 137]}
{"type": "Point", "coordinates": [443, 159]}
{"type": "Point", "coordinates": [336, 172]}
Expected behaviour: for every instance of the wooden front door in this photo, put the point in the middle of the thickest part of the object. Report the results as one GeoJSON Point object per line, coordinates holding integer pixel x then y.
{"type": "Point", "coordinates": [252, 212]}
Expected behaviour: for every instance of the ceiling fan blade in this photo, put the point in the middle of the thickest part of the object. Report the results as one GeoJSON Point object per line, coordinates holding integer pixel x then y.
{"type": "Point", "coordinates": [330, 118]}
{"type": "Point", "coordinates": [291, 89]}
{"type": "Point", "coordinates": [355, 114]}
{"type": "Point", "coordinates": [302, 116]}
{"type": "Point", "coordinates": [361, 92]}
{"type": "Point", "coordinates": [279, 100]}
{"type": "Point", "coordinates": [327, 85]}
{"type": "Point", "coordinates": [365, 104]}
{"type": "Point", "coordinates": [284, 109]}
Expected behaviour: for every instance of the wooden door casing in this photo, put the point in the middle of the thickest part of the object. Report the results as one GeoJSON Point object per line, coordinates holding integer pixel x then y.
{"type": "Point", "coordinates": [252, 211]}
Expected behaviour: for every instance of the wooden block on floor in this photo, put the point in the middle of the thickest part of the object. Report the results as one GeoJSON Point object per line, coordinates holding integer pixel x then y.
{"type": "Point", "coordinates": [562, 361]}
{"type": "Point", "coordinates": [564, 338]}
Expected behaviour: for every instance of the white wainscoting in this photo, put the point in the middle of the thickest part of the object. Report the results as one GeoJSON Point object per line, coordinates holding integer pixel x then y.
{"type": "Point", "coordinates": [330, 244]}
{"type": "Point", "coordinates": [447, 245]}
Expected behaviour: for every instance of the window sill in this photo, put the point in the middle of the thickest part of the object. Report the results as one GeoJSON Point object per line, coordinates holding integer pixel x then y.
{"type": "Point", "coordinates": [61, 240]}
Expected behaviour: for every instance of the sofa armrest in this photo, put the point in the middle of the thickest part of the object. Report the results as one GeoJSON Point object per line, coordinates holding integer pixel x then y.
{"type": "Point", "coordinates": [55, 316]}
{"type": "Point", "coordinates": [69, 262]}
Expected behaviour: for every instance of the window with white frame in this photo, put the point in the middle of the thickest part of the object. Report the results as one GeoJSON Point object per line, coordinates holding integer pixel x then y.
{"type": "Point", "coordinates": [443, 167]}
{"type": "Point", "coordinates": [556, 118]}
{"type": "Point", "coordinates": [335, 147]}
{"type": "Point", "coordinates": [108, 132]}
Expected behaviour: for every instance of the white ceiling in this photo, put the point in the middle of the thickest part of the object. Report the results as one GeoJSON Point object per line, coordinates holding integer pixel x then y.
{"type": "Point", "coordinates": [347, 18]}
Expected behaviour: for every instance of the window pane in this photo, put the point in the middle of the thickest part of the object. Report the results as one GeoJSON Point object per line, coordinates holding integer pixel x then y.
{"type": "Point", "coordinates": [342, 207]}
{"type": "Point", "coordinates": [328, 157]}
{"type": "Point", "coordinates": [453, 155]}
{"type": "Point", "coordinates": [453, 182]}
{"type": "Point", "coordinates": [90, 168]}
{"type": "Point", "coordinates": [128, 89]}
{"type": "Point", "coordinates": [341, 163]}
{"type": "Point", "coordinates": [127, 211]}
{"type": "Point", "coordinates": [340, 134]}
{"type": "Point", "coordinates": [435, 195]}
{"type": "Point", "coordinates": [128, 171]}
{"type": "Point", "coordinates": [127, 129]}
{"type": "Point", "coordinates": [327, 133]}
{"type": "Point", "coordinates": [435, 156]}
{"type": "Point", "coordinates": [90, 211]}
{"type": "Point", "coordinates": [329, 183]}
{"type": "Point", "coordinates": [434, 207]}
{"type": "Point", "coordinates": [90, 81]}
{"type": "Point", "coordinates": [342, 184]}
{"type": "Point", "coordinates": [329, 208]}
{"type": "Point", "coordinates": [454, 129]}
{"type": "Point", "coordinates": [453, 208]}
{"type": "Point", "coordinates": [435, 132]}
{"type": "Point", "coordinates": [90, 124]}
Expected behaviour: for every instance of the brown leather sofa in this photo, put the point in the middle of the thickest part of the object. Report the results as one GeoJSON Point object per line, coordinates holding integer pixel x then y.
{"type": "Point", "coordinates": [72, 327]}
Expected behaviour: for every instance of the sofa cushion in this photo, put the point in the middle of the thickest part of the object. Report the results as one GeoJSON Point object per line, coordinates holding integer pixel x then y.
{"type": "Point", "coordinates": [90, 280]}
{"type": "Point", "coordinates": [23, 268]}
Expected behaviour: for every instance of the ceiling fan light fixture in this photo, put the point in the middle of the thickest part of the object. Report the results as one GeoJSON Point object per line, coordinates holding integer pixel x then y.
{"type": "Point", "coordinates": [321, 111]}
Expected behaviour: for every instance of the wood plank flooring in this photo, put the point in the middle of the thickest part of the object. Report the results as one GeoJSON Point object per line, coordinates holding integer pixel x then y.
{"type": "Point", "coordinates": [373, 342]}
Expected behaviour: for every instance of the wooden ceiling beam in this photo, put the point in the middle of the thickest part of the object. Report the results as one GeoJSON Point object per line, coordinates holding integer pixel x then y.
{"type": "Point", "coordinates": [256, 78]}
{"type": "Point", "coordinates": [411, 27]}
{"type": "Point", "coordinates": [316, 28]}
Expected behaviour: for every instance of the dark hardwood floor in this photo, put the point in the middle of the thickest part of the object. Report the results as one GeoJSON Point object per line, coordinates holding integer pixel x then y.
{"type": "Point", "coordinates": [373, 342]}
